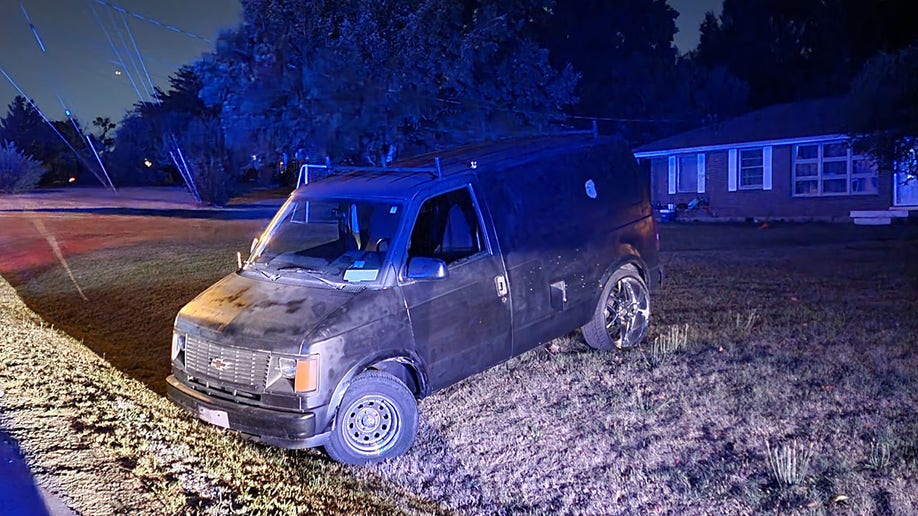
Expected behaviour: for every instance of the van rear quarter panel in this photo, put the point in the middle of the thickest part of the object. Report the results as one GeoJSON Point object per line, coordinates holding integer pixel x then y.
{"type": "Point", "coordinates": [552, 230]}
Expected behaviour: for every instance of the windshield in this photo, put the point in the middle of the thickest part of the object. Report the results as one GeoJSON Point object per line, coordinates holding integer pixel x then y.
{"type": "Point", "coordinates": [332, 240]}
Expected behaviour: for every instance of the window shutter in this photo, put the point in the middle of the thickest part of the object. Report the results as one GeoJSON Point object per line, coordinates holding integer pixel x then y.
{"type": "Point", "coordinates": [700, 172]}
{"type": "Point", "coordinates": [766, 168]}
{"type": "Point", "coordinates": [731, 171]}
{"type": "Point", "coordinates": [672, 174]}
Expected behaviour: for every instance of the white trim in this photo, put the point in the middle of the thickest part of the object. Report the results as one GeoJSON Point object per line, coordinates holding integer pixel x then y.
{"type": "Point", "coordinates": [701, 171]}
{"type": "Point", "coordinates": [766, 167]}
{"type": "Point", "coordinates": [672, 175]}
{"type": "Point", "coordinates": [731, 170]}
{"type": "Point", "coordinates": [741, 145]}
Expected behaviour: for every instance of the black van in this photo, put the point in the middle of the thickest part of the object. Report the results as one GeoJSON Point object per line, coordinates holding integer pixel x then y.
{"type": "Point", "coordinates": [372, 288]}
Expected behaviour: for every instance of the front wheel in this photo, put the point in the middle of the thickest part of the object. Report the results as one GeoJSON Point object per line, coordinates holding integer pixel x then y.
{"type": "Point", "coordinates": [377, 419]}
{"type": "Point", "coordinates": [623, 313]}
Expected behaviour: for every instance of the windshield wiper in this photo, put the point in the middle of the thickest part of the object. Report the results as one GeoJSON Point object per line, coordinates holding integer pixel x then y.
{"type": "Point", "coordinates": [312, 273]}
{"type": "Point", "coordinates": [272, 277]}
{"type": "Point", "coordinates": [259, 268]}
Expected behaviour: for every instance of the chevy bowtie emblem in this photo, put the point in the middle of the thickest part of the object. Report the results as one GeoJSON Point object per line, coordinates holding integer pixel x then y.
{"type": "Point", "coordinates": [219, 364]}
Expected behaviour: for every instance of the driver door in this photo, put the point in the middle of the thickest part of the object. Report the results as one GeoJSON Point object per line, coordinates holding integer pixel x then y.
{"type": "Point", "coordinates": [461, 323]}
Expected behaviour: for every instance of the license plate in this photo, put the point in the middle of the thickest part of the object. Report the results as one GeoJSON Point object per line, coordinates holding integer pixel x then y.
{"type": "Point", "coordinates": [214, 417]}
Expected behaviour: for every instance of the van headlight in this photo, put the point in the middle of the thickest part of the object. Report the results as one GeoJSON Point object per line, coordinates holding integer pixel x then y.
{"type": "Point", "coordinates": [297, 374]}
{"type": "Point", "coordinates": [178, 347]}
{"type": "Point", "coordinates": [287, 367]}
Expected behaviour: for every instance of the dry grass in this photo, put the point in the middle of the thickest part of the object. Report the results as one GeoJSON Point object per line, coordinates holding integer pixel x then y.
{"type": "Point", "coordinates": [798, 332]}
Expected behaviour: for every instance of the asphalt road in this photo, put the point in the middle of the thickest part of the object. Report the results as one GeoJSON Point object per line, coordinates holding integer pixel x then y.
{"type": "Point", "coordinates": [19, 495]}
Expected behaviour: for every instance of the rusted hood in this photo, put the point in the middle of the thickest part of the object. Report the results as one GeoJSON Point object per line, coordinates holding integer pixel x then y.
{"type": "Point", "coordinates": [253, 313]}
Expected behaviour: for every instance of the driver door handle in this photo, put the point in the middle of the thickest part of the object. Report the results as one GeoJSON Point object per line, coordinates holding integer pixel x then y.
{"type": "Point", "coordinates": [500, 283]}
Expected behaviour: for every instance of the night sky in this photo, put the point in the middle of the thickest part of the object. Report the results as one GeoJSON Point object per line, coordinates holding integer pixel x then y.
{"type": "Point", "coordinates": [78, 63]}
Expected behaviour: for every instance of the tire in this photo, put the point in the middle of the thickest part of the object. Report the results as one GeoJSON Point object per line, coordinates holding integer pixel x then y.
{"type": "Point", "coordinates": [622, 314]}
{"type": "Point", "coordinates": [377, 420]}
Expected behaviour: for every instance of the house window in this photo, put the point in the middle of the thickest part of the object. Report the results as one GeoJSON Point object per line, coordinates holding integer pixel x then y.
{"type": "Point", "coordinates": [752, 169]}
{"type": "Point", "coordinates": [687, 173]}
{"type": "Point", "coordinates": [831, 169]}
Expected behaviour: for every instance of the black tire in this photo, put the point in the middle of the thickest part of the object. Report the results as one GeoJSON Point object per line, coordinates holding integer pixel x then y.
{"type": "Point", "coordinates": [622, 314]}
{"type": "Point", "coordinates": [377, 420]}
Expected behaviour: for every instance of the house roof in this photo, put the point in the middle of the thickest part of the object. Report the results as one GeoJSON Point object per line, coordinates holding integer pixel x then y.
{"type": "Point", "coordinates": [805, 119]}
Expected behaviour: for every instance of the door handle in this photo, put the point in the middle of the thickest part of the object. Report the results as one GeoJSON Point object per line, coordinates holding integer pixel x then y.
{"type": "Point", "coordinates": [500, 283]}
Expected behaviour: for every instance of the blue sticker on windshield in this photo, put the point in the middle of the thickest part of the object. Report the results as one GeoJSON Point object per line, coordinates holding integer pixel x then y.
{"type": "Point", "coordinates": [393, 210]}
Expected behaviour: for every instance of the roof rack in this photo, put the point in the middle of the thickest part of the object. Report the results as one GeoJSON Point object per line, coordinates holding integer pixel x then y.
{"type": "Point", "coordinates": [436, 171]}
{"type": "Point", "coordinates": [303, 177]}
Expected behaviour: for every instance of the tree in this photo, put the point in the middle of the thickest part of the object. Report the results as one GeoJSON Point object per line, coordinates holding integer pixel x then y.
{"type": "Point", "coordinates": [202, 143]}
{"type": "Point", "coordinates": [788, 50]}
{"type": "Point", "coordinates": [607, 43]}
{"type": "Point", "coordinates": [361, 81]}
{"type": "Point", "coordinates": [59, 145]}
{"type": "Point", "coordinates": [630, 71]}
{"type": "Point", "coordinates": [145, 150]}
{"type": "Point", "coordinates": [104, 138]}
{"type": "Point", "coordinates": [18, 171]}
{"type": "Point", "coordinates": [881, 111]}
{"type": "Point", "coordinates": [135, 157]}
{"type": "Point", "coordinates": [24, 126]}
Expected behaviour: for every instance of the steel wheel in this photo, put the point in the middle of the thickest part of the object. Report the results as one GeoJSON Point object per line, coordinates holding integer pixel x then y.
{"type": "Point", "coordinates": [623, 313]}
{"type": "Point", "coordinates": [371, 425]}
{"type": "Point", "coordinates": [377, 419]}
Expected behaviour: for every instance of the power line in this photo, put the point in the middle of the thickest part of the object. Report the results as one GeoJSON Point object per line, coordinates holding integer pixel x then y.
{"type": "Point", "coordinates": [67, 112]}
{"type": "Point", "coordinates": [139, 57]}
{"type": "Point", "coordinates": [153, 21]}
{"type": "Point", "coordinates": [175, 153]}
{"type": "Point", "coordinates": [32, 27]}
{"type": "Point", "coordinates": [118, 57]}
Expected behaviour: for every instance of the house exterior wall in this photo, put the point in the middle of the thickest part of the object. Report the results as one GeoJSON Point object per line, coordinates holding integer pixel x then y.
{"type": "Point", "coordinates": [779, 203]}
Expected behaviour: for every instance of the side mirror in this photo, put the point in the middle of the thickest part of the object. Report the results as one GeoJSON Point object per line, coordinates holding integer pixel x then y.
{"type": "Point", "coordinates": [427, 268]}
{"type": "Point", "coordinates": [254, 243]}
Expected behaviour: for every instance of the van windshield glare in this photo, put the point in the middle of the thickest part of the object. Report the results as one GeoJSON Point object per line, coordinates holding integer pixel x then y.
{"type": "Point", "coordinates": [333, 239]}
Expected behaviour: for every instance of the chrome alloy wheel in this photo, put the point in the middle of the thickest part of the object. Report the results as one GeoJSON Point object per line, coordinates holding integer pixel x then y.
{"type": "Point", "coordinates": [627, 312]}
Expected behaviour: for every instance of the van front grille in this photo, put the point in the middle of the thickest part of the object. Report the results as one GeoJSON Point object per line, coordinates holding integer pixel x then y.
{"type": "Point", "coordinates": [227, 364]}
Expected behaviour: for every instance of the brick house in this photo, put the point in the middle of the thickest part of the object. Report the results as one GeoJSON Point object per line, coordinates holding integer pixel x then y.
{"type": "Point", "coordinates": [787, 162]}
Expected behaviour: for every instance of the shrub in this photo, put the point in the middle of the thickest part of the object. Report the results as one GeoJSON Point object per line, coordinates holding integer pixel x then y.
{"type": "Point", "coordinates": [789, 463]}
{"type": "Point", "coordinates": [18, 171]}
{"type": "Point", "coordinates": [879, 454]}
{"type": "Point", "coordinates": [665, 345]}
{"type": "Point", "coordinates": [203, 147]}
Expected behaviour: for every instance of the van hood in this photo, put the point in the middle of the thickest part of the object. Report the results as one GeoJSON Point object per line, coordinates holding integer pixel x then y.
{"type": "Point", "coordinates": [253, 313]}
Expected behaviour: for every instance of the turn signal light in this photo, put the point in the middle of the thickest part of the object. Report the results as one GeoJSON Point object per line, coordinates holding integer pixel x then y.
{"type": "Point", "coordinates": [306, 378]}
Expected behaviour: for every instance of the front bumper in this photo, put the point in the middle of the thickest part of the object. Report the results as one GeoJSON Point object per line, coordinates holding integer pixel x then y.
{"type": "Point", "coordinates": [274, 427]}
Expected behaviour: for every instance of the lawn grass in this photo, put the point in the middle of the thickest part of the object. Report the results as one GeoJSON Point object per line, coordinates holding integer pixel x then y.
{"type": "Point", "coordinates": [780, 375]}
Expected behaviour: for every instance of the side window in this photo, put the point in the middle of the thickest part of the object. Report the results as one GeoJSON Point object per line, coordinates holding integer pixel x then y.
{"type": "Point", "coordinates": [447, 228]}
